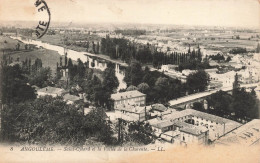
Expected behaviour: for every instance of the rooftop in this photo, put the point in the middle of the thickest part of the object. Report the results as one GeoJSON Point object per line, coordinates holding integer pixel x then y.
{"type": "Point", "coordinates": [194, 130]}
{"type": "Point", "coordinates": [248, 135]}
{"type": "Point", "coordinates": [126, 95]}
{"type": "Point", "coordinates": [171, 133]}
{"type": "Point", "coordinates": [162, 124]}
{"type": "Point", "coordinates": [229, 124]}
{"type": "Point", "coordinates": [159, 107]}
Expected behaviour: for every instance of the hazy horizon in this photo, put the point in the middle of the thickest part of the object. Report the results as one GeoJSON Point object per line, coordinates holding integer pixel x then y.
{"type": "Point", "coordinates": [228, 13]}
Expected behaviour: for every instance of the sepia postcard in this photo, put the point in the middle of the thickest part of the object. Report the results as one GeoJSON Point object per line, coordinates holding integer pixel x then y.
{"type": "Point", "coordinates": [130, 81]}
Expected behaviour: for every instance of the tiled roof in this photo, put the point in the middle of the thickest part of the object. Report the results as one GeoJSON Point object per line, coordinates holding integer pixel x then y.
{"type": "Point", "coordinates": [162, 124]}
{"type": "Point", "coordinates": [193, 130]}
{"type": "Point", "coordinates": [192, 112]}
{"type": "Point", "coordinates": [126, 95]}
{"type": "Point", "coordinates": [247, 134]}
{"type": "Point", "coordinates": [159, 107]}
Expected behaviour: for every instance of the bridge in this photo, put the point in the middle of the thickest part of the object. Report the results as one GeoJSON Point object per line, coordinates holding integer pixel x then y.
{"type": "Point", "coordinates": [187, 101]}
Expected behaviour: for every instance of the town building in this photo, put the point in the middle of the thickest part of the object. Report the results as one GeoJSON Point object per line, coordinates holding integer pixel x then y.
{"type": "Point", "coordinates": [193, 124]}
{"type": "Point", "coordinates": [129, 98]}
{"type": "Point", "coordinates": [227, 79]}
{"type": "Point", "coordinates": [157, 109]}
{"type": "Point", "coordinates": [131, 113]}
{"type": "Point", "coordinates": [178, 132]}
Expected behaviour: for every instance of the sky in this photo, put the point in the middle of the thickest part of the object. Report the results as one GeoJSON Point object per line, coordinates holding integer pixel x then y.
{"type": "Point", "coordinates": [236, 13]}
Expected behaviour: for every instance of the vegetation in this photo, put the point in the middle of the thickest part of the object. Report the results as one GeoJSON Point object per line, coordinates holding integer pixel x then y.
{"type": "Point", "coordinates": [49, 120]}
{"type": "Point", "coordinates": [241, 105]}
{"type": "Point", "coordinates": [258, 48]}
{"type": "Point", "coordinates": [99, 92]}
{"type": "Point", "coordinates": [131, 32]}
{"type": "Point", "coordinates": [217, 57]}
{"type": "Point", "coordinates": [238, 51]}
{"type": "Point", "coordinates": [120, 48]}
{"type": "Point", "coordinates": [159, 87]}
{"type": "Point", "coordinates": [14, 87]}
{"type": "Point", "coordinates": [140, 133]}
{"type": "Point", "coordinates": [194, 64]}
{"type": "Point", "coordinates": [197, 82]}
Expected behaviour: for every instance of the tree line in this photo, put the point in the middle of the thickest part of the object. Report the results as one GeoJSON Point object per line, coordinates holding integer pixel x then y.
{"type": "Point", "coordinates": [240, 105]}
{"type": "Point", "coordinates": [160, 88]}
{"type": "Point", "coordinates": [46, 120]}
{"type": "Point", "coordinates": [120, 48]}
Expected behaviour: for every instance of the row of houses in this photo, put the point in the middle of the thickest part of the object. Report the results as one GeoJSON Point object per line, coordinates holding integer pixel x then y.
{"type": "Point", "coordinates": [173, 126]}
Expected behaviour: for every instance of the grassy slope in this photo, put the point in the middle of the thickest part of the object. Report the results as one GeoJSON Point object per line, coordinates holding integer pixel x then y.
{"type": "Point", "coordinates": [49, 58]}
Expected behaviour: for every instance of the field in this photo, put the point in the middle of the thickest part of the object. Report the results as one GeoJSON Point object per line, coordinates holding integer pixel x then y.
{"type": "Point", "coordinates": [58, 39]}
{"type": "Point", "coordinates": [8, 44]}
{"type": "Point", "coordinates": [49, 58]}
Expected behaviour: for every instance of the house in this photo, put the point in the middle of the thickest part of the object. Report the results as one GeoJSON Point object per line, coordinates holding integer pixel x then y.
{"type": "Point", "coordinates": [180, 132]}
{"type": "Point", "coordinates": [130, 97]}
{"type": "Point", "coordinates": [157, 109]}
{"type": "Point", "coordinates": [192, 134]}
{"type": "Point", "coordinates": [162, 126]}
{"type": "Point", "coordinates": [171, 137]}
{"type": "Point", "coordinates": [131, 112]}
{"type": "Point", "coordinates": [71, 99]}
{"type": "Point", "coordinates": [51, 91]}
{"type": "Point", "coordinates": [227, 79]}
{"type": "Point", "coordinates": [216, 126]}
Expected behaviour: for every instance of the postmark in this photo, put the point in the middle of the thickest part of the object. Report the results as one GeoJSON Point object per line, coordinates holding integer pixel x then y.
{"type": "Point", "coordinates": [45, 17]}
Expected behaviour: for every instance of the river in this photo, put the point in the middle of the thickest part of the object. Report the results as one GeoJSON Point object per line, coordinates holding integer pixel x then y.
{"type": "Point", "coordinates": [83, 56]}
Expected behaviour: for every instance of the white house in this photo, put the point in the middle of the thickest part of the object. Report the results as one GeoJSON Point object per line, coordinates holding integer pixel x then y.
{"type": "Point", "coordinates": [128, 98]}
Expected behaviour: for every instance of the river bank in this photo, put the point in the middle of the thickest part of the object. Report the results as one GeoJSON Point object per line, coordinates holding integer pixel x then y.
{"type": "Point", "coordinates": [75, 55]}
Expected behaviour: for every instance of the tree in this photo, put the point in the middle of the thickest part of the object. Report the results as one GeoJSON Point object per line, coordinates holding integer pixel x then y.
{"type": "Point", "coordinates": [40, 78]}
{"type": "Point", "coordinates": [98, 125]}
{"type": "Point", "coordinates": [198, 81]}
{"type": "Point", "coordinates": [96, 93]}
{"type": "Point", "coordinates": [134, 74]}
{"type": "Point", "coordinates": [14, 85]}
{"type": "Point", "coordinates": [220, 102]}
{"type": "Point", "coordinates": [236, 86]}
{"type": "Point", "coordinates": [161, 87]}
{"type": "Point", "coordinates": [49, 120]}
{"type": "Point", "coordinates": [81, 68]}
{"type": "Point", "coordinates": [110, 82]}
{"type": "Point", "coordinates": [143, 87]}
{"type": "Point", "coordinates": [198, 106]}
{"type": "Point", "coordinates": [131, 88]}
{"type": "Point", "coordinates": [140, 133]}
{"type": "Point", "coordinates": [258, 48]}
{"type": "Point", "coordinates": [228, 59]}
{"type": "Point", "coordinates": [109, 85]}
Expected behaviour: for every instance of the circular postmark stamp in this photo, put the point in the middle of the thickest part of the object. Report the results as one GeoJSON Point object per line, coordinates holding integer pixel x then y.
{"type": "Point", "coordinates": [45, 17]}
